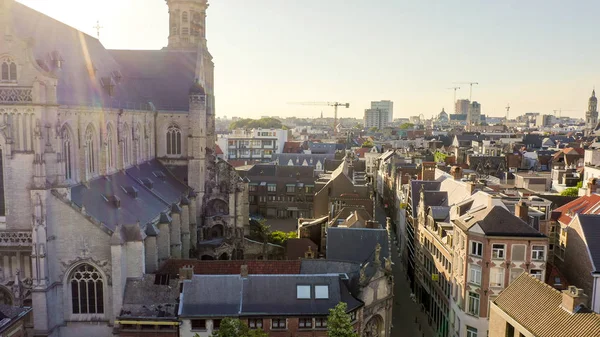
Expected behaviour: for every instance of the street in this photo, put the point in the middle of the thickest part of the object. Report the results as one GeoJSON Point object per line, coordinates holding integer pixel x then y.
{"type": "Point", "coordinates": [408, 320]}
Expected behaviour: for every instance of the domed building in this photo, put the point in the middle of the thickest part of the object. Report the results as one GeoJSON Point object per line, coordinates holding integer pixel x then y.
{"type": "Point", "coordinates": [443, 117]}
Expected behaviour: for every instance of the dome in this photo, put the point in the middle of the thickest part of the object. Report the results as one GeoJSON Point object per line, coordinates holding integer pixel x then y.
{"type": "Point", "coordinates": [443, 116]}
{"type": "Point", "coordinates": [197, 88]}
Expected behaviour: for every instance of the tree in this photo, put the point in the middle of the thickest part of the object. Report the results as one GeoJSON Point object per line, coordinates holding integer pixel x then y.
{"type": "Point", "coordinates": [373, 129]}
{"type": "Point", "coordinates": [439, 157]}
{"type": "Point", "coordinates": [339, 323]}
{"type": "Point", "coordinates": [260, 231]}
{"type": "Point", "coordinates": [405, 126]}
{"type": "Point", "coordinates": [280, 237]}
{"type": "Point", "coordinates": [248, 123]}
{"type": "Point", "coordinates": [570, 192]}
{"type": "Point", "coordinates": [233, 327]}
{"type": "Point", "coordinates": [367, 143]}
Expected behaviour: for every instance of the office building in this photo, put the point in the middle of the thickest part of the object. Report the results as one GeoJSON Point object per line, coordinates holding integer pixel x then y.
{"type": "Point", "coordinates": [385, 105]}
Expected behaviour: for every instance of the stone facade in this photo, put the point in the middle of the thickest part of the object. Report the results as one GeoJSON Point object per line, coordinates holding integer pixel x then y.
{"type": "Point", "coordinates": [59, 140]}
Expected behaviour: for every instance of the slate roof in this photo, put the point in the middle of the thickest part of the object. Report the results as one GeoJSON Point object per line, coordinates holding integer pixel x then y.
{"type": "Point", "coordinates": [497, 221]}
{"type": "Point", "coordinates": [537, 307]}
{"type": "Point", "coordinates": [144, 299]}
{"type": "Point", "coordinates": [145, 207]}
{"type": "Point", "coordinates": [590, 224]}
{"type": "Point", "coordinates": [162, 77]}
{"type": "Point", "coordinates": [325, 148]}
{"type": "Point", "coordinates": [415, 186]}
{"type": "Point", "coordinates": [361, 240]}
{"type": "Point", "coordinates": [296, 248]}
{"type": "Point", "coordinates": [232, 295]}
{"type": "Point", "coordinates": [10, 314]}
{"type": "Point", "coordinates": [233, 267]}
{"type": "Point", "coordinates": [298, 159]}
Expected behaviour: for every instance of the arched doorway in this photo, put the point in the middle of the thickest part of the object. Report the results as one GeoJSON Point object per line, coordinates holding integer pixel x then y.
{"type": "Point", "coordinates": [224, 256]}
{"type": "Point", "coordinates": [5, 296]}
{"type": "Point", "coordinates": [374, 327]}
{"type": "Point", "coordinates": [206, 257]}
{"type": "Point", "coordinates": [215, 232]}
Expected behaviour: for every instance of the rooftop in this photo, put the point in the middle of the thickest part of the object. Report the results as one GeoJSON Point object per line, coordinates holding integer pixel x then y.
{"type": "Point", "coordinates": [537, 307]}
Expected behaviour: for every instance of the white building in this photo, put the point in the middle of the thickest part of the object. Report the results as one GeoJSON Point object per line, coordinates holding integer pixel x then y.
{"type": "Point", "coordinates": [376, 118]}
{"type": "Point", "coordinates": [255, 144]}
{"type": "Point", "coordinates": [385, 105]}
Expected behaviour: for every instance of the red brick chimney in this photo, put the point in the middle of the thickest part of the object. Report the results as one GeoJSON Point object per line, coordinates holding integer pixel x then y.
{"type": "Point", "coordinates": [428, 171]}
{"type": "Point", "coordinates": [522, 211]}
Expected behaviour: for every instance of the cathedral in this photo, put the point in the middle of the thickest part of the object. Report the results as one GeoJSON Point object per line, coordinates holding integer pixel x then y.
{"type": "Point", "coordinates": [107, 166]}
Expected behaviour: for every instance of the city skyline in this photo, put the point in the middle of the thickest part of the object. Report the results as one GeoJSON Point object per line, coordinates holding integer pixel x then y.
{"type": "Point", "coordinates": [536, 56]}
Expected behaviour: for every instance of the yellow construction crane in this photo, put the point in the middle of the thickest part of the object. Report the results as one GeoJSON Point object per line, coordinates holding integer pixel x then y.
{"type": "Point", "coordinates": [333, 104]}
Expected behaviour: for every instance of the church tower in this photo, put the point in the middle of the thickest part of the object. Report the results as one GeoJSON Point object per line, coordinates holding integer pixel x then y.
{"type": "Point", "coordinates": [187, 22]}
{"type": "Point", "coordinates": [591, 116]}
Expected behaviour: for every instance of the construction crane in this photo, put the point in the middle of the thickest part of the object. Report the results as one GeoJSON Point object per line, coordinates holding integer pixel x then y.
{"type": "Point", "coordinates": [470, 87]}
{"type": "Point", "coordinates": [333, 104]}
{"type": "Point", "coordinates": [560, 110]}
{"type": "Point", "coordinates": [507, 109]}
{"type": "Point", "coordinates": [454, 102]}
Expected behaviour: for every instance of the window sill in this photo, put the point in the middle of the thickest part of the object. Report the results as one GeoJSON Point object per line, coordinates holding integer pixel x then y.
{"type": "Point", "coordinates": [278, 329]}
{"type": "Point", "coordinates": [199, 330]}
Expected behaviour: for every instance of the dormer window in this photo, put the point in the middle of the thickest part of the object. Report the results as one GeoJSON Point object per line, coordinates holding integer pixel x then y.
{"type": "Point", "coordinates": [322, 292]}
{"type": "Point", "coordinates": [303, 292]}
{"type": "Point", "coordinates": [9, 70]}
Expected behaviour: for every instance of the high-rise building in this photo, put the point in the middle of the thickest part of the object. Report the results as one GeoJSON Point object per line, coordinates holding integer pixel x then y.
{"type": "Point", "coordinates": [376, 118]}
{"type": "Point", "coordinates": [461, 106]}
{"type": "Point", "coordinates": [386, 106]}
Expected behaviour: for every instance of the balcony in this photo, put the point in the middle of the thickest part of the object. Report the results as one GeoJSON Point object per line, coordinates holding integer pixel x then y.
{"type": "Point", "coordinates": [15, 239]}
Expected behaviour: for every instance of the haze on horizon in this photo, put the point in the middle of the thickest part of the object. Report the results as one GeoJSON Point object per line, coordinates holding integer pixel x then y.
{"type": "Point", "coordinates": [536, 55]}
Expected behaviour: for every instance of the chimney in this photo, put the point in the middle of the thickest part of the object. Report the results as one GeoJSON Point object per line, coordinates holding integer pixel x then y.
{"type": "Point", "coordinates": [186, 272]}
{"type": "Point", "coordinates": [471, 187]}
{"type": "Point", "coordinates": [456, 172]}
{"type": "Point", "coordinates": [572, 298]}
{"type": "Point", "coordinates": [428, 171]}
{"type": "Point", "coordinates": [371, 224]}
{"type": "Point", "coordinates": [522, 211]}
{"type": "Point", "coordinates": [591, 186]}
{"type": "Point", "coordinates": [244, 271]}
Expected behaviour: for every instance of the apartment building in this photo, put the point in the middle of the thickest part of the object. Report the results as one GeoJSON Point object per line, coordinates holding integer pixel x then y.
{"type": "Point", "coordinates": [256, 145]}
{"type": "Point", "coordinates": [385, 105]}
{"type": "Point", "coordinates": [376, 118]}
{"type": "Point", "coordinates": [283, 192]}
{"type": "Point", "coordinates": [528, 307]}
{"type": "Point", "coordinates": [491, 247]}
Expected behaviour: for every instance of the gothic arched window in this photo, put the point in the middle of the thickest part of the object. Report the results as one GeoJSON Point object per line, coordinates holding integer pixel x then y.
{"type": "Point", "coordinates": [173, 140]}
{"type": "Point", "coordinates": [126, 145]}
{"type": "Point", "coordinates": [110, 159]}
{"type": "Point", "coordinates": [9, 70]}
{"type": "Point", "coordinates": [67, 152]}
{"type": "Point", "coordinates": [184, 17]}
{"type": "Point", "coordinates": [90, 153]}
{"type": "Point", "coordinates": [87, 290]}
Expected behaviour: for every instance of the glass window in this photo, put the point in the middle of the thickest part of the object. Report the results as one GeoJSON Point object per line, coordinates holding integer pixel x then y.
{"type": "Point", "coordinates": [538, 253]}
{"type": "Point", "coordinates": [173, 140]}
{"type": "Point", "coordinates": [278, 323]}
{"type": "Point", "coordinates": [87, 291]}
{"type": "Point", "coordinates": [497, 277]}
{"type": "Point", "coordinates": [198, 324]}
{"type": "Point", "coordinates": [9, 70]}
{"type": "Point", "coordinates": [471, 331]}
{"type": "Point", "coordinates": [473, 303]}
{"type": "Point", "coordinates": [303, 291]}
{"type": "Point", "coordinates": [476, 248]}
{"type": "Point", "coordinates": [252, 188]}
{"type": "Point", "coordinates": [272, 188]}
{"type": "Point", "coordinates": [475, 274]}
{"type": "Point", "coordinates": [290, 189]}
{"type": "Point", "coordinates": [320, 322]}
{"type": "Point", "coordinates": [322, 292]}
{"type": "Point", "coordinates": [255, 323]}
{"type": "Point", "coordinates": [305, 323]}
{"type": "Point", "coordinates": [537, 273]}
{"type": "Point", "coordinates": [498, 251]}
{"type": "Point", "coordinates": [216, 324]}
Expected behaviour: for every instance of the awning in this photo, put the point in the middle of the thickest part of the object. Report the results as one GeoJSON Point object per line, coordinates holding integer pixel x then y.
{"type": "Point", "coordinates": [254, 184]}
{"type": "Point", "coordinates": [292, 208]}
{"type": "Point", "coordinates": [293, 185]}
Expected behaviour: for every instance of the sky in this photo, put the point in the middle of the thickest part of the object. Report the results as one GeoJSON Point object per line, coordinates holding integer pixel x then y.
{"type": "Point", "coordinates": [536, 55]}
